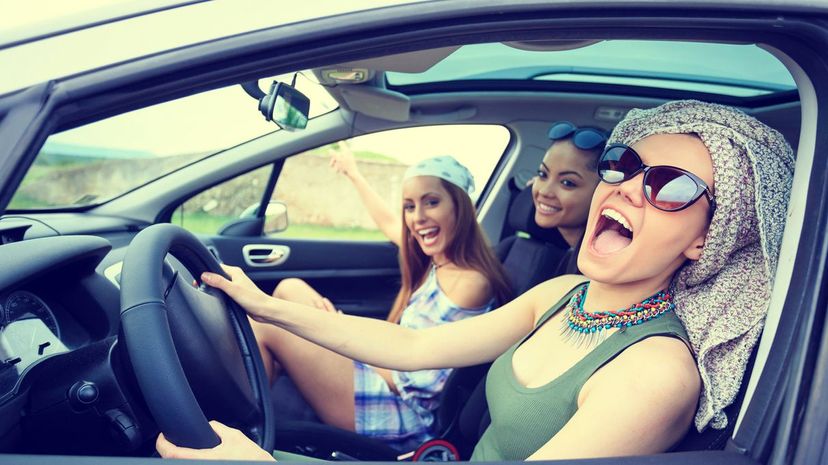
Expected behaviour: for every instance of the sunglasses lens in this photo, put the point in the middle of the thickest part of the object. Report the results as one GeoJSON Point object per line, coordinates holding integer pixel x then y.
{"type": "Point", "coordinates": [560, 130]}
{"type": "Point", "coordinates": [618, 164]}
{"type": "Point", "coordinates": [669, 189]}
{"type": "Point", "coordinates": [588, 139]}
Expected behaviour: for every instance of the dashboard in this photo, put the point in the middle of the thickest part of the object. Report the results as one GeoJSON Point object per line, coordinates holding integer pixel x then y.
{"type": "Point", "coordinates": [58, 327]}
{"type": "Point", "coordinates": [29, 332]}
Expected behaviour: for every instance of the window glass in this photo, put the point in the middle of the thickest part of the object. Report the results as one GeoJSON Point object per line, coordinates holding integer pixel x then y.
{"type": "Point", "coordinates": [95, 163]}
{"type": "Point", "coordinates": [208, 211]}
{"type": "Point", "coordinates": [323, 204]}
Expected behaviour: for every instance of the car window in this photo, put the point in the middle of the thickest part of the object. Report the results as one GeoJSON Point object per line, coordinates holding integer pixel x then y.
{"type": "Point", "coordinates": [208, 211]}
{"type": "Point", "coordinates": [323, 204]}
{"type": "Point", "coordinates": [92, 164]}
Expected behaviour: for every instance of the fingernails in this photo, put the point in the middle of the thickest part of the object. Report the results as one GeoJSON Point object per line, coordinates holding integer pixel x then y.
{"type": "Point", "coordinates": [207, 277]}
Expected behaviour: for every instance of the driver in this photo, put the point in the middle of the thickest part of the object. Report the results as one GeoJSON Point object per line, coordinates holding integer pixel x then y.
{"type": "Point", "coordinates": [678, 258]}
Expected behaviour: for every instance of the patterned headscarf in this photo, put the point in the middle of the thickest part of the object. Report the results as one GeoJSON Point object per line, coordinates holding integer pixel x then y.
{"type": "Point", "coordinates": [723, 297]}
{"type": "Point", "coordinates": [443, 167]}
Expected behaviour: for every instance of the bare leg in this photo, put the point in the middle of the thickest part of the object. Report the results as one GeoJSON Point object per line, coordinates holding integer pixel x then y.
{"type": "Point", "coordinates": [325, 378]}
{"type": "Point", "coordinates": [294, 290]}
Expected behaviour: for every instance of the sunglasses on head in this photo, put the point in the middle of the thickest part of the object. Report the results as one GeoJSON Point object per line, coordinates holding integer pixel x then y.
{"type": "Point", "coordinates": [666, 187]}
{"type": "Point", "coordinates": [584, 138]}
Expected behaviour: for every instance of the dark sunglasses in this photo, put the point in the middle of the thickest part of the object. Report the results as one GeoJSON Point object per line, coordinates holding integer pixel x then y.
{"type": "Point", "coordinates": [586, 138]}
{"type": "Point", "coordinates": [666, 187]}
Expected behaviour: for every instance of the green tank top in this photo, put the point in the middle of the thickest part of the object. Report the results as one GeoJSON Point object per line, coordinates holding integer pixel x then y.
{"type": "Point", "coordinates": [524, 419]}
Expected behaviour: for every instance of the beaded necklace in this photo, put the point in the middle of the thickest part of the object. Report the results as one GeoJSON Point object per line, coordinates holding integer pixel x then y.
{"type": "Point", "coordinates": [582, 327]}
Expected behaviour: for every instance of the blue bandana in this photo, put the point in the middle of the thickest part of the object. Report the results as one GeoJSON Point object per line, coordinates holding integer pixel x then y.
{"type": "Point", "coordinates": [443, 167]}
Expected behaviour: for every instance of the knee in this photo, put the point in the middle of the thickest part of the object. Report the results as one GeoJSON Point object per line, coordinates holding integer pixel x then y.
{"type": "Point", "coordinates": [288, 288]}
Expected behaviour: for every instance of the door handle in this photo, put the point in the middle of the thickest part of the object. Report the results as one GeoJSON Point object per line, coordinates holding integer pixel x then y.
{"type": "Point", "coordinates": [263, 255]}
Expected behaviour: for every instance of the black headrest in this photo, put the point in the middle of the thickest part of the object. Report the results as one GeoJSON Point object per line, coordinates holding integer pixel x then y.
{"type": "Point", "coordinates": [522, 218]}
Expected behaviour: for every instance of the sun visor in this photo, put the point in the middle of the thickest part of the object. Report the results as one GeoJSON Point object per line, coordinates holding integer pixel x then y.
{"type": "Point", "coordinates": [409, 62]}
{"type": "Point", "coordinates": [376, 102]}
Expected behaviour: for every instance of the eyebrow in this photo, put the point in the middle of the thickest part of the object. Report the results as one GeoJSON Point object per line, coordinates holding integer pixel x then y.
{"type": "Point", "coordinates": [436, 194]}
{"type": "Point", "coordinates": [562, 173]}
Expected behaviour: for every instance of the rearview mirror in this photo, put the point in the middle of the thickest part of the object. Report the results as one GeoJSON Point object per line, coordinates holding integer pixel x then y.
{"type": "Point", "coordinates": [285, 106]}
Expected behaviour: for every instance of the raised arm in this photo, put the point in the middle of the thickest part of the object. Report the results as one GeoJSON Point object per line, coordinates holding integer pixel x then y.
{"type": "Point", "coordinates": [379, 343]}
{"type": "Point", "coordinates": [342, 160]}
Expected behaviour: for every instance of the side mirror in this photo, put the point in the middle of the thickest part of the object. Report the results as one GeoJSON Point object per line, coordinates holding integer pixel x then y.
{"type": "Point", "coordinates": [276, 218]}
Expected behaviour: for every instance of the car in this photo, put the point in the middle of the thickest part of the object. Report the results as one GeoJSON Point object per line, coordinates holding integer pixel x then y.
{"type": "Point", "coordinates": [139, 150]}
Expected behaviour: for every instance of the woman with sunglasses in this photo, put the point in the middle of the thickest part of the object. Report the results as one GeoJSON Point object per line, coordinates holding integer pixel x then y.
{"type": "Point", "coordinates": [679, 255]}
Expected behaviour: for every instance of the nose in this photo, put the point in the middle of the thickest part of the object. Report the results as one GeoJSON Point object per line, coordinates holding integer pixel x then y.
{"type": "Point", "coordinates": [545, 187]}
{"type": "Point", "coordinates": [419, 214]}
{"type": "Point", "coordinates": [632, 191]}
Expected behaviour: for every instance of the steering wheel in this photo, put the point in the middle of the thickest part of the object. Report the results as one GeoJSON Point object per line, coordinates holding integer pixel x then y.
{"type": "Point", "coordinates": [191, 348]}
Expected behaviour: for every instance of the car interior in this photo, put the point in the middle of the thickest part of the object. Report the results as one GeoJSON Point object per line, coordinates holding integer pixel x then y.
{"type": "Point", "coordinates": [76, 387]}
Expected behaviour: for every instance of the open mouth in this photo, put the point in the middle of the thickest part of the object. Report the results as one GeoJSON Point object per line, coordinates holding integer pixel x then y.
{"type": "Point", "coordinates": [612, 233]}
{"type": "Point", "coordinates": [429, 235]}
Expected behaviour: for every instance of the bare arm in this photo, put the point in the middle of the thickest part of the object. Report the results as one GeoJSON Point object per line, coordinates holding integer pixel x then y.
{"type": "Point", "coordinates": [379, 343]}
{"type": "Point", "coordinates": [390, 224]}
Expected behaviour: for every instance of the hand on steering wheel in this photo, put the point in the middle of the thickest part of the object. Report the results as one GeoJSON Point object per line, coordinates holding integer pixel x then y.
{"type": "Point", "coordinates": [242, 290]}
{"type": "Point", "coordinates": [234, 446]}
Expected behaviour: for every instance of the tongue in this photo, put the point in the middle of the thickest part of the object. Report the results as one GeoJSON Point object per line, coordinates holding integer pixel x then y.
{"type": "Point", "coordinates": [610, 241]}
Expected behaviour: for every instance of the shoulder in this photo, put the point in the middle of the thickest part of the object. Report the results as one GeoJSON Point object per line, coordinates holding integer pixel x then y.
{"type": "Point", "coordinates": [660, 369]}
{"type": "Point", "coordinates": [466, 288]}
{"type": "Point", "coordinates": [547, 293]}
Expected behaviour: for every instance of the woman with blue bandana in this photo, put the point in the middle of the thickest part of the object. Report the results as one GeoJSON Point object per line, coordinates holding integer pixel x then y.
{"type": "Point", "coordinates": [448, 273]}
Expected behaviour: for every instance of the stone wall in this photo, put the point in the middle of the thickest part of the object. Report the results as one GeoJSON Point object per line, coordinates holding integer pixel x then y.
{"type": "Point", "coordinates": [314, 192]}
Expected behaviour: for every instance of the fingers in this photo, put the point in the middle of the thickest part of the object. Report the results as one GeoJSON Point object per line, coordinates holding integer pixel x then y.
{"type": "Point", "coordinates": [328, 306]}
{"type": "Point", "coordinates": [223, 430]}
{"type": "Point", "coordinates": [168, 450]}
{"type": "Point", "coordinates": [218, 281]}
{"type": "Point", "coordinates": [214, 280]}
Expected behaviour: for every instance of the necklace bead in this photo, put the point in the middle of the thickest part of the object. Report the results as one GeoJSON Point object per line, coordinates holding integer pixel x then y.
{"type": "Point", "coordinates": [578, 322]}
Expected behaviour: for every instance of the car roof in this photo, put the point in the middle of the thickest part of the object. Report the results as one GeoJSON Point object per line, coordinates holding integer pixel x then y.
{"type": "Point", "coordinates": [102, 34]}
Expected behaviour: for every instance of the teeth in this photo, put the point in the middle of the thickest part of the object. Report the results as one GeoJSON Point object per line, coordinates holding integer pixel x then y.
{"type": "Point", "coordinates": [425, 232]}
{"type": "Point", "coordinates": [612, 214]}
{"type": "Point", "coordinates": [547, 208]}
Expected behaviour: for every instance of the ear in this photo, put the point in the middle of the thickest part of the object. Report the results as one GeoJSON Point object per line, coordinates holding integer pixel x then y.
{"type": "Point", "coordinates": [694, 251]}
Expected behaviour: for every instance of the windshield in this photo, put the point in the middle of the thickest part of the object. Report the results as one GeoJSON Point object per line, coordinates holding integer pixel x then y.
{"type": "Point", "coordinates": [95, 163]}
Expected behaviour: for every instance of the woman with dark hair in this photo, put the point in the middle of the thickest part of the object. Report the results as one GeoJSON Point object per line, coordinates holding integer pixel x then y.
{"type": "Point", "coordinates": [679, 255]}
{"type": "Point", "coordinates": [448, 273]}
{"type": "Point", "coordinates": [566, 178]}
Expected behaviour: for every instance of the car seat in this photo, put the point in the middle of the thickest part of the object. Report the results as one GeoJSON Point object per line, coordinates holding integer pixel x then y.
{"type": "Point", "coordinates": [531, 254]}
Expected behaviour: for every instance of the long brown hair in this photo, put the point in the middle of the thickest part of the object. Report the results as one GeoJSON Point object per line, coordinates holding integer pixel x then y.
{"type": "Point", "coordinates": [467, 248]}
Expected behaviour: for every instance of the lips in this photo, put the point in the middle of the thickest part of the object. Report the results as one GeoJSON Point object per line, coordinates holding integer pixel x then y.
{"type": "Point", "coordinates": [428, 236]}
{"type": "Point", "coordinates": [546, 209]}
{"type": "Point", "coordinates": [612, 232]}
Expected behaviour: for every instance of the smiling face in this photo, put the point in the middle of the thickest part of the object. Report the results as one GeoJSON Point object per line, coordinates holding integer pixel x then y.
{"type": "Point", "coordinates": [563, 188]}
{"type": "Point", "coordinates": [627, 240]}
{"type": "Point", "coordinates": [429, 215]}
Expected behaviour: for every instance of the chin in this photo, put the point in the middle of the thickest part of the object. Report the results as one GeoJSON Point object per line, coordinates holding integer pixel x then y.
{"type": "Point", "coordinates": [545, 222]}
{"type": "Point", "coordinates": [605, 268]}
